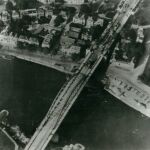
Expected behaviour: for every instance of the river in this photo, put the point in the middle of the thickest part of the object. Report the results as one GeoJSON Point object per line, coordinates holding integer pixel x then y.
{"type": "Point", "coordinates": [97, 120]}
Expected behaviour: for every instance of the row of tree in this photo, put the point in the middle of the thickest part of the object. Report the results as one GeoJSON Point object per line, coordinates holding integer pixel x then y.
{"type": "Point", "coordinates": [20, 4]}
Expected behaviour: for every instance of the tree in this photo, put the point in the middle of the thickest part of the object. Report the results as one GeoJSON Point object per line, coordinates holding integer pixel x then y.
{"type": "Point", "coordinates": [9, 7]}
{"type": "Point", "coordinates": [59, 19]}
{"type": "Point", "coordinates": [75, 57]}
{"type": "Point", "coordinates": [1, 25]}
{"type": "Point", "coordinates": [60, 1]}
{"type": "Point", "coordinates": [85, 10]}
{"type": "Point", "coordinates": [26, 4]}
{"type": "Point", "coordinates": [27, 19]}
{"type": "Point", "coordinates": [44, 19]}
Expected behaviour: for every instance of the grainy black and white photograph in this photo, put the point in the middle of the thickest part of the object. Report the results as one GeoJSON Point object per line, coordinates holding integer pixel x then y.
{"type": "Point", "coordinates": [74, 74]}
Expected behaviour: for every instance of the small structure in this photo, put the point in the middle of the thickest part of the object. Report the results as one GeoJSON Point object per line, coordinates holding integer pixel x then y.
{"type": "Point", "coordinates": [3, 115]}
{"type": "Point", "coordinates": [74, 2]}
{"type": "Point", "coordinates": [66, 42]}
{"type": "Point", "coordinates": [140, 35]}
{"type": "Point", "coordinates": [74, 147]}
{"type": "Point", "coordinates": [4, 16]}
{"type": "Point", "coordinates": [89, 23]}
{"type": "Point", "coordinates": [18, 135]}
{"type": "Point", "coordinates": [23, 39]}
{"type": "Point", "coordinates": [30, 12]}
{"type": "Point", "coordinates": [46, 1]}
{"type": "Point", "coordinates": [15, 15]}
{"type": "Point", "coordinates": [73, 34]}
{"type": "Point", "coordinates": [79, 20]}
{"type": "Point", "coordinates": [72, 50]}
{"type": "Point", "coordinates": [140, 32]}
{"type": "Point", "coordinates": [46, 42]}
{"type": "Point", "coordinates": [99, 22]}
{"type": "Point", "coordinates": [75, 31]}
{"type": "Point", "coordinates": [34, 41]}
{"type": "Point", "coordinates": [86, 36]}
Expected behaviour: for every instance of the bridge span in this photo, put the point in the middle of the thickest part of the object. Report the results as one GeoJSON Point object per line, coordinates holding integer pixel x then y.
{"type": "Point", "coordinates": [73, 87]}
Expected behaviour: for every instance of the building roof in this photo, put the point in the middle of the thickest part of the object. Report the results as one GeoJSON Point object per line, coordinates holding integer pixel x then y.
{"type": "Point", "coordinates": [66, 41]}
{"type": "Point", "coordinates": [46, 1]}
{"type": "Point", "coordinates": [75, 29]}
{"type": "Point", "coordinates": [72, 50]}
{"type": "Point", "coordinates": [33, 40]}
{"type": "Point", "coordinates": [75, 2]}
{"type": "Point", "coordinates": [47, 40]}
{"type": "Point", "coordinates": [23, 38]}
{"type": "Point", "coordinates": [38, 30]}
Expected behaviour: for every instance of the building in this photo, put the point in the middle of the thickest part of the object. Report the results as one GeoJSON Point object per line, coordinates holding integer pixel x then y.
{"type": "Point", "coordinates": [75, 31]}
{"type": "Point", "coordinates": [4, 16]}
{"type": "Point", "coordinates": [46, 42]}
{"type": "Point", "coordinates": [74, 147]}
{"type": "Point", "coordinates": [66, 42]}
{"type": "Point", "coordinates": [99, 22]}
{"type": "Point", "coordinates": [86, 36]}
{"type": "Point", "coordinates": [89, 22]}
{"type": "Point", "coordinates": [74, 2]}
{"type": "Point", "coordinates": [73, 34]}
{"type": "Point", "coordinates": [23, 39]}
{"type": "Point", "coordinates": [46, 1]}
{"type": "Point", "coordinates": [29, 12]}
{"type": "Point", "coordinates": [41, 12]}
{"type": "Point", "coordinates": [140, 35]}
{"type": "Point", "coordinates": [79, 20]}
{"type": "Point", "coordinates": [72, 50]}
{"type": "Point", "coordinates": [81, 42]}
{"type": "Point", "coordinates": [34, 41]}
{"type": "Point", "coordinates": [52, 22]}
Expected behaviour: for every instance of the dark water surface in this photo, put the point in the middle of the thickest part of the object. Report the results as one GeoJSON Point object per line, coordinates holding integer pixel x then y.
{"type": "Point", "coordinates": [97, 120]}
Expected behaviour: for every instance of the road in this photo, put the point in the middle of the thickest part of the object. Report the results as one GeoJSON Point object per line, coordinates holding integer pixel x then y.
{"type": "Point", "coordinates": [71, 90]}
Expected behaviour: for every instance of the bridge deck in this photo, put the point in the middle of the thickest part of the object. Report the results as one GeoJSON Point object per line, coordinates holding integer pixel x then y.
{"type": "Point", "coordinates": [71, 90]}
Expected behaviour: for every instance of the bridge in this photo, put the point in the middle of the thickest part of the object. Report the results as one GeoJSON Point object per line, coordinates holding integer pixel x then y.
{"type": "Point", "coordinates": [72, 88]}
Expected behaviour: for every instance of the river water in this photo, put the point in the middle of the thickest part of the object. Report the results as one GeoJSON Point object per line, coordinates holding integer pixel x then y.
{"type": "Point", "coordinates": [97, 120]}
